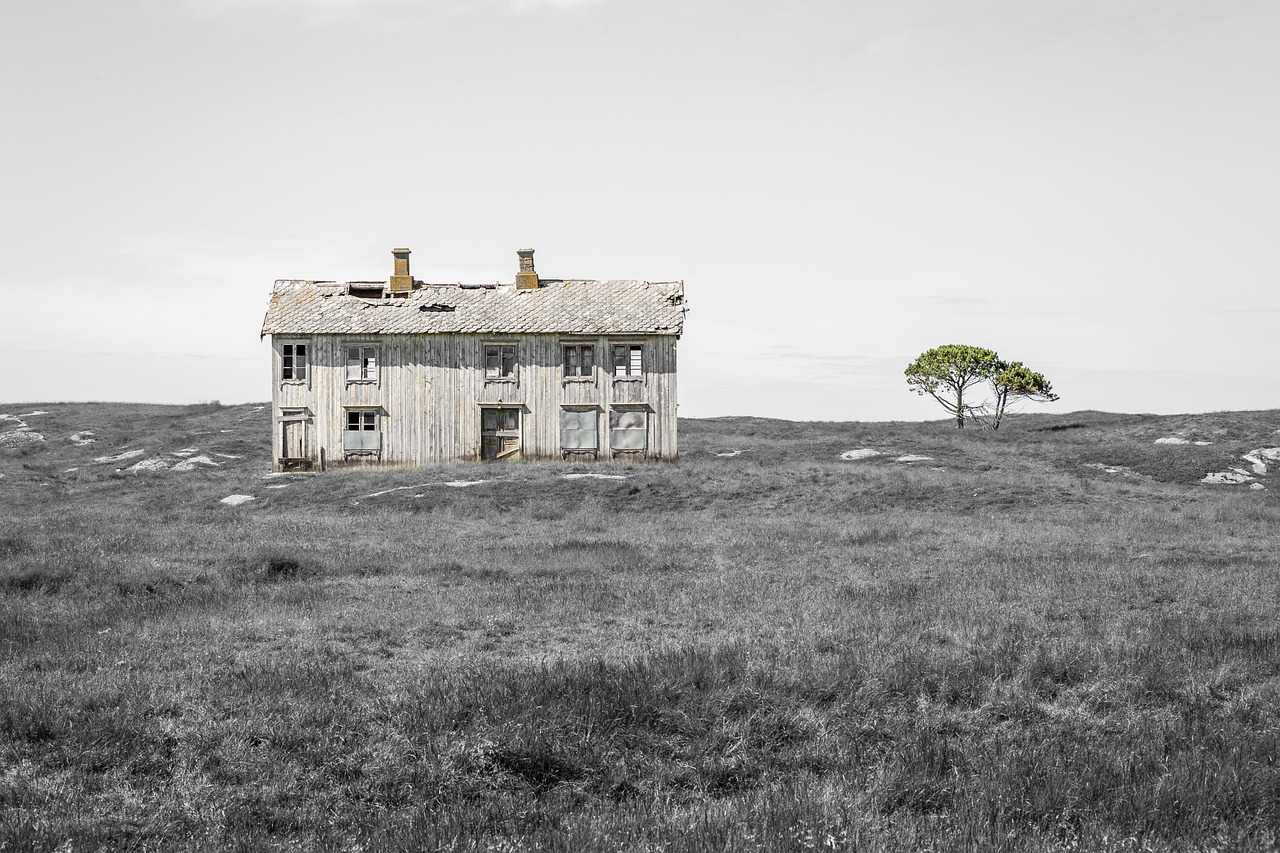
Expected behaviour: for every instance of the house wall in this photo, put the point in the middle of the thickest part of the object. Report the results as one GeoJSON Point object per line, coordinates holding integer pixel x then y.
{"type": "Point", "coordinates": [429, 390]}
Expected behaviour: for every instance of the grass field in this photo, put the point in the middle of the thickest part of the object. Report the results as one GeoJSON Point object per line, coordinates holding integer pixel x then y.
{"type": "Point", "coordinates": [1053, 637]}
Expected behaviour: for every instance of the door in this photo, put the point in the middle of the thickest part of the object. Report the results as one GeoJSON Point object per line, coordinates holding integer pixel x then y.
{"type": "Point", "coordinates": [295, 440]}
{"type": "Point", "coordinates": [499, 432]}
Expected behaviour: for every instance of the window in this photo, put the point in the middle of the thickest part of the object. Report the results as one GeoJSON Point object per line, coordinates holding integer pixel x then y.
{"type": "Point", "coordinates": [293, 363]}
{"type": "Point", "coordinates": [500, 362]}
{"type": "Point", "coordinates": [499, 432]}
{"type": "Point", "coordinates": [628, 360]}
{"type": "Point", "coordinates": [578, 430]}
{"type": "Point", "coordinates": [362, 364]}
{"type": "Point", "coordinates": [628, 430]}
{"type": "Point", "coordinates": [579, 361]}
{"type": "Point", "coordinates": [361, 434]}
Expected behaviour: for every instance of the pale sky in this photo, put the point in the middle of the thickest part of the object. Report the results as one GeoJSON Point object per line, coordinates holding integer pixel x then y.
{"type": "Point", "coordinates": [1088, 186]}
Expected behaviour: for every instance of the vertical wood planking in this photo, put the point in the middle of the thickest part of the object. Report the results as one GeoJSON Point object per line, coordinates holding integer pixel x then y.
{"type": "Point", "coordinates": [430, 388]}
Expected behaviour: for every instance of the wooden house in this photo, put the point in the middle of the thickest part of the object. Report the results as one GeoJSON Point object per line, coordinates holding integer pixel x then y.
{"type": "Point", "coordinates": [405, 372]}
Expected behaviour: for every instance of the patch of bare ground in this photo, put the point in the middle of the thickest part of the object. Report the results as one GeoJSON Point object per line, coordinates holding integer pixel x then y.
{"type": "Point", "coordinates": [1064, 641]}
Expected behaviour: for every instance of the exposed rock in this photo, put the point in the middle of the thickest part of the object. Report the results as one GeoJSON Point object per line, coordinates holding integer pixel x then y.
{"type": "Point", "coordinates": [20, 438]}
{"type": "Point", "coordinates": [190, 464]}
{"type": "Point", "coordinates": [148, 465]}
{"type": "Point", "coordinates": [120, 457]}
{"type": "Point", "coordinates": [1229, 478]}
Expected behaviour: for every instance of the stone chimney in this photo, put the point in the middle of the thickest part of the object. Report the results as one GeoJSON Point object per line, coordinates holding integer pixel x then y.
{"type": "Point", "coordinates": [526, 279]}
{"type": "Point", "coordinates": [401, 280]}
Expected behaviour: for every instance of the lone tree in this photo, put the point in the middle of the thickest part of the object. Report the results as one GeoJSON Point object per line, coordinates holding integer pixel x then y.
{"type": "Point", "coordinates": [1015, 381]}
{"type": "Point", "coordinates": [945, 373]}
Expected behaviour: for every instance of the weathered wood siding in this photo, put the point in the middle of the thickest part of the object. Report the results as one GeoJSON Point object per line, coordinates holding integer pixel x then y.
{"type": "Point", "coordinates": [430, 388]}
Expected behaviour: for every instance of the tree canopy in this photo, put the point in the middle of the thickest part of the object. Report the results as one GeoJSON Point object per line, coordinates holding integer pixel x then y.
{"type": "Point", "coordinates": [945, 373]}
{"type": "Point", "coordinates": [1015, 381]}
{"type": "Point", "coordinates": [949, 373]}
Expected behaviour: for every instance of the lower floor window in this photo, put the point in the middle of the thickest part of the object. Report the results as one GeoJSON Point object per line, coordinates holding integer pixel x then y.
{"type": "Point", "coordinates": [628, 430]}
{"type": "Point", "coordinates": [361, 434]}
{"type": "Point", "coordinates": [578, 429]}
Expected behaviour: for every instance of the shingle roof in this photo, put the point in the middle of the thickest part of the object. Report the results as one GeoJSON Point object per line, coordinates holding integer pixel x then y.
{"type": "Point", "coordinates": [568, 306]}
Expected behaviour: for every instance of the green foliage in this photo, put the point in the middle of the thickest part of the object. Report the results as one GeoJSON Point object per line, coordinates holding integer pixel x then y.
{"type": "Point", "coordinates": [945, 373]}
{"type": "Point", "coordinates": [1017, 378]}
{"type": "Point", "coordinates": [948, 372]}
{"type": "Point", "coordinates": [1015, 381]}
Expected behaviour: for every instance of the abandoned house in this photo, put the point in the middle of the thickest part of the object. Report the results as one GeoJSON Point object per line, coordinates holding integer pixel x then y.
{"type": "Point", "coordinates": [405, 372]}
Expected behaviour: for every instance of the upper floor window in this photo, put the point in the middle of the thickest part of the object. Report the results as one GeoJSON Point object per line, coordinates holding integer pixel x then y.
{"type": "Point", "coordinates": [362, 363]}
{"type": "Point", "coordinates": [579, 361]}
{"type": "Point", "coordinates": [293, 362]}
{"type": "Point", "coordinates": [499, 361]}
{"type": "Point", "coordinates": [628, 360]}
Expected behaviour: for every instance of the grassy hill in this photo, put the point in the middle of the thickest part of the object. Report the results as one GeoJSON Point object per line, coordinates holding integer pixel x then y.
{"type": "Point", "coordinates": [1050, 637]}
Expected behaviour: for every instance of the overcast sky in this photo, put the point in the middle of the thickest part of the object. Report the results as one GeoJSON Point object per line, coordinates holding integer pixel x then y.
{"type": "Point", "coordinates": [1088, 186]}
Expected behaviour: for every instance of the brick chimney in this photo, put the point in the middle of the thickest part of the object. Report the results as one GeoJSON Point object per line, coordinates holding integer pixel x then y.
{"type": "Point", "coordinates": [401, 280]}
{"type": "Point", "coordinates": [526, 279]}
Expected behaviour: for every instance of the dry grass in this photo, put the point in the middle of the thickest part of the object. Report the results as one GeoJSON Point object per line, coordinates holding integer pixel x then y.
{"type": "Point", "coordinates": [772, 651]}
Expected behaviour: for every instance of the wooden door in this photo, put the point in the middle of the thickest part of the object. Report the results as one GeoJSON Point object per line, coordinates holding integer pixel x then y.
{"type": "Point", "coordinates": [499, 433]}
{"type": "Point", "coordinates": [295, 440]}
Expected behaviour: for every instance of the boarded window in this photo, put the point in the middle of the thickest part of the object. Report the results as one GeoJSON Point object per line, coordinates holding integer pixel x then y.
{"type": "Point", "coordinates": [499, 432]}
{"type": "Point", "coordinates": [578, 429]}
{"type": "Point", "coordinates": [500, 361]}
{"type": "Point", "coordinates": [579, 360]}
{"type": "Point", "coordinates": [628, 430]}
{"type": "Point", "coordinates": [361, 434]}
{"type": "Point", "coordinates": [293, 362]}
{"type": "Point", "coordinates": [628, 360]}
{"type": "Point", "coordinates": [362, 364]}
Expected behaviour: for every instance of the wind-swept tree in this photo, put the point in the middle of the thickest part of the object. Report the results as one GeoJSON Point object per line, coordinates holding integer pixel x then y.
{"type": "Point", "coordinates": [945, 373]}
{"type": "Point", "coordinates": [1015, 381]}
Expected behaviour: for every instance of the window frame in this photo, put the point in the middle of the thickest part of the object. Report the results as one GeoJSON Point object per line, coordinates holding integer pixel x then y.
{"type": "Point", "coordinates": [579, 346]}
{"type": "Point", "coordinates": [570, 452]}
{"type": "Point", "coordinates": [369, 414]}
{"type": "Point", "coordinates": [285, 378]}
{"type": "Point", "coordinates": [631, 347]}
{"type": "Point", "coordinates": [362, 346]}
{"type": "Point", "coordinates": [499, 345]}
{"type": "Point", "coordinates": [623, 409]}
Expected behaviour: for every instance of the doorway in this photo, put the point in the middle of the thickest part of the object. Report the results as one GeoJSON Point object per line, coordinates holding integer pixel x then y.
{"type": "Point", "coordinates": [499, 432]}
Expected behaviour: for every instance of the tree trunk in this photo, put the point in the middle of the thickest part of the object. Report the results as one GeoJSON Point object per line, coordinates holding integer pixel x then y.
{"type": "Point", "coordinates": [960, 407]}
{"type": "Point", "coordinates": [1002, 397]}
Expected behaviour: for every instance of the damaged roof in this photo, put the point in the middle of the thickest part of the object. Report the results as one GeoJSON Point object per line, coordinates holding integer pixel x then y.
{"type": "Point", "coordinates": [555, 306]}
